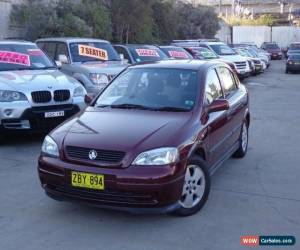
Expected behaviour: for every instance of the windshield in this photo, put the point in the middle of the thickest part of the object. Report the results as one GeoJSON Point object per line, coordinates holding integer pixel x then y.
{"type": "Point", "coordinates": [272, 46]}
{"type": "Point", "coordinates": [23, 57]}
{"type": "Point", "coordinates": [152, 89]}
{"type": "Point", "coordinates": [93, 52]}
{"type": "Point", "coordinates": [295, 46]}
{"type": "Point", "coordinates": [243, 53]}
{"type": "Point", "coordinates": [146, 53]}
{"type": "Point", "coordinates": [222, 49]}
{"type": "Point", "coordinates": [204, 53]}
{"type": "Point", "coordinates": [294, 57]}
{"type": "Point", "coordinates": [177, 53]}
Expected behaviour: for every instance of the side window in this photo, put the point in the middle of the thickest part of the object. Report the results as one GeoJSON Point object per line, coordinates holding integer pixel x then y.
{"type": "Point", "coordinates": [227, 81]}
{"type": "Point", "coordinates": [49, 49]}
{"type": "Point", "coordinates": [213, 90]}
{"type": "Point", "coordinates": [62, 49]}
{"type": "Point", "coordinates": [123, 51]}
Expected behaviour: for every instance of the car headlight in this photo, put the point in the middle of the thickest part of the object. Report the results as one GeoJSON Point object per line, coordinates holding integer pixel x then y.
{"type": "Point", "coordinates": [79, 92]}
{"type": "Point", "coordinates": [50, 147]}
{"type": "Point", "coordinates": [11, 96]}
{"type": "Point", "coordinates": [99, 79]}
{"type": "Point", "coordinates": [159, 156]}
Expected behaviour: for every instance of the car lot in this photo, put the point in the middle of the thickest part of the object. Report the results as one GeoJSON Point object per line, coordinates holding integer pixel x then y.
{"type": "Point", "coordinates": [258, 195]}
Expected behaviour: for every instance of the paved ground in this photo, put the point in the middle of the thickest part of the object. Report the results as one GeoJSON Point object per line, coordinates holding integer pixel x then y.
{"type": "Point", "coordinates": [258, 195]}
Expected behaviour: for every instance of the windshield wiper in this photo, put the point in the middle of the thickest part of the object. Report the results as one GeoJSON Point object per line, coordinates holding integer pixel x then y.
{"type": "Point", "coordinates": [172, 109]}
{"type": "Point", "coordinates": [125, 106]}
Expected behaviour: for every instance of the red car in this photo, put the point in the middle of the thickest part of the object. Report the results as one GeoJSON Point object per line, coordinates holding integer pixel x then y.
{"type": "Point", "coordinates": [151, 140]}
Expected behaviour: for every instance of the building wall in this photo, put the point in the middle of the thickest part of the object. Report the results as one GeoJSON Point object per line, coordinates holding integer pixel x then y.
{"type": "Point", "coordinates": [5, 29]}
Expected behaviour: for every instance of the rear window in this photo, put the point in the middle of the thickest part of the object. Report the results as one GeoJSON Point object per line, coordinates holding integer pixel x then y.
{"type": "Point", "coordinates": [146, 53]}
{"type": "Point", "coordinates": [272, 46]}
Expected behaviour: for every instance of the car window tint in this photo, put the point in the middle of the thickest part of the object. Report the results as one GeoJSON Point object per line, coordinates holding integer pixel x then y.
{"type": "Point", "coordinates": [213, 90]}
{"type": "Point", "coordinates": [123, 51]}
{"type": "Point", "coordinates": [62, 49]}
{"type": "Point", "coordinates": [49, 49]}
{"type": "Point", "coordinates": [227, 80]}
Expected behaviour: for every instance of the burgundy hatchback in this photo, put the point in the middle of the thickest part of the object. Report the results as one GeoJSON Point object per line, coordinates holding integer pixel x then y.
{"type": "Point", "coordinates": [151, 140]}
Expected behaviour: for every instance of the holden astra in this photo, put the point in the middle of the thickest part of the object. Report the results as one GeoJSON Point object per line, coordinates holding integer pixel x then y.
{"type": "Point", "coordinates": [151, 139]}
{"type": "Point", "coordinates": [34, 94]}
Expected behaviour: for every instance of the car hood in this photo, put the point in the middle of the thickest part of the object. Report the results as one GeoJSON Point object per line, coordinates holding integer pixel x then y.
{"type": "Point", "coordinates": [35, 80]}
{"type": "Point", "coordinates": [103, 67]}
{"type": "Point", "coordinates": [124, 130]}
{"type": "Point", "coordinates": [233, 58]}
{"type": "Point", "coordinates": [274, 50]}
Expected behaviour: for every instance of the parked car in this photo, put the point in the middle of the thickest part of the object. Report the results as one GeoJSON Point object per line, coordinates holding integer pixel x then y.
{"type": "Point", "coordinates": [201, 53]}
{"type": "Point", "coordinates": [273, 49]}
{"type": "Point", "coordinates": [174, 52]}
{"type": "Point", "coordinates": [93, 62]}
{"type": "Point", "coordinates": [294, 48]}
{"type": "Point", "coordinates": [293, 63]}
{"type": "Point", "coordinates": [224, 52]}
{"type": "Point", "coordinates": [136, 53]}
{"type": "Point", "coordinates": [34, 94]}
{"type": "Point", "coordinates": [165, 128]}
{"type": "Point", "coordinates": [256, 64]}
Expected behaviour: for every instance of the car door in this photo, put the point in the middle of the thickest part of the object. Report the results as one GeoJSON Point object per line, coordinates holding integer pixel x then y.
{"type": "Point", "coordinates": [235, 114]}
{"type": "Point", "coordinates": [215, 122]}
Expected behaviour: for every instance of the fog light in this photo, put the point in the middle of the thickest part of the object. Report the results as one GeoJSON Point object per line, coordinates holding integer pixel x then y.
{"type": "Point", "coordinates": [8, 112]}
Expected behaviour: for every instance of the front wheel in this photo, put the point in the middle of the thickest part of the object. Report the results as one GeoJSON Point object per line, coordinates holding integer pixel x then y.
{"type": "Point", "coordinates": [286, 71]}
{"type": "Point", "coordinates": [196, 187]}
{"type": "Point", "coordinates": [243, 142]}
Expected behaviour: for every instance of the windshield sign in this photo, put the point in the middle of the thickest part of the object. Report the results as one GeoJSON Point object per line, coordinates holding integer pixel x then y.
{"type": "Point", "coordinates": [93, 51]}
{"type": "Point", "coordinates": [147, 52]}
{"type": "Point", "coordinates": [23, 57]}
{"type": "Point", "coordinates": [14, 58]}
{"type": "Point", "coordinates": [178, 54]}
{"type": "Point", "coordinates": [152, 89]}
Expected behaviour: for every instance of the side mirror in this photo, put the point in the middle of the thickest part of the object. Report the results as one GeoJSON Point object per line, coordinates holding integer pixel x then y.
{"type": "Point", "coordinates": [88, 98]}
{"type": "Point", "coordinates": [63, 59]}
{"type": "Point", "coordinates": [218, 105]}
{"type": "Point", "coordinates": [58, 64]}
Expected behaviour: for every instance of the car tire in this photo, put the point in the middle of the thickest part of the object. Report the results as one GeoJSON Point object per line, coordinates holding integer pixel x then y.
{"type": "Point", "coordinates": [195, 189]}
{"type": "Point", "coordinates": [286, 71]}
{"type": "Point", "coordinates": [243, 142]}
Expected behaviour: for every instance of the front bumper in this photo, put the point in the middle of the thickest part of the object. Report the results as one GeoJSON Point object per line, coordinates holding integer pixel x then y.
{"type": "Point", "coordinates": [293, 67]}
{"type": "Point", "coordinates": [33, 118]}
{"type": "Point", "coordinates": [275, 56]}
{"type": "Point", "coordinates": [131, 189]}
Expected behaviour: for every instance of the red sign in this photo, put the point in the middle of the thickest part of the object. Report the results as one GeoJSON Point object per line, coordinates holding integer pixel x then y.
{"type": "Point", "coordinates": [178, 54]}
{"type": "Point", "coordinates": [35, 52]}
{"type": "Point", "coordinates": [147, 52]}
{"type": "Point", "coordinates": [14, 58]}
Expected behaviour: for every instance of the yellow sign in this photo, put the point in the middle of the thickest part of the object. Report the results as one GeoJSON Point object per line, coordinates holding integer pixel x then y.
{"type": "Point", "coordinates": [89, 51]}
{"type": "Point", "coordinates": [86, 180]}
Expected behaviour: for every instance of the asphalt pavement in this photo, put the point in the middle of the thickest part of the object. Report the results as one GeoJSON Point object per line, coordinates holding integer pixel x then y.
{"type": "Point", "coordinates": [258, 195]}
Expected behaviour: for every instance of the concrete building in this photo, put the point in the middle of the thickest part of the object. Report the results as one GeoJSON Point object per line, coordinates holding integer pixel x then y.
{"type": "Point", "coordinates": [5, 29]}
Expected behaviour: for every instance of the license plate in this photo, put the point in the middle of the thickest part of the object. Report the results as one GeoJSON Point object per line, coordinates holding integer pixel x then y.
{"type": "Point", "coordinates": [86, 180]}
{"type": "Point", "coordinates": [54, 114]}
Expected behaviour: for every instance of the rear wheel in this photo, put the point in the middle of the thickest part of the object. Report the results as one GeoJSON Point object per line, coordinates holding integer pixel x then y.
{"type": "Point", "coordinates": [243, 142]}
{"type": "Point", "coordinates": [196, 187]}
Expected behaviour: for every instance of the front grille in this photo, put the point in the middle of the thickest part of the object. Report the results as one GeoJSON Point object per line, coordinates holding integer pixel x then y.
{"type": "Point", "coordinates": [240, 65]}
{"type": "Point", "coordinates": [108, 156]}
{"type": "Point", "coordinates": [107, 196]}
{"type": "Point", "coordinates": [61, 95]}
{"type": "Point", "coordinates": [41, 96]}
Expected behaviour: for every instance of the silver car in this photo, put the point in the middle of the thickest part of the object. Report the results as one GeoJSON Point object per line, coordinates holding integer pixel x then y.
{"type": "Point", "coordinates": [93, 62]}
{"type": "Point", "coordinates": [34, 94]}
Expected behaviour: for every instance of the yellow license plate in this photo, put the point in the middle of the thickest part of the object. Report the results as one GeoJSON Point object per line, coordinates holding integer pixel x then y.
{"type": "Point", "coordinates": [86, 180]}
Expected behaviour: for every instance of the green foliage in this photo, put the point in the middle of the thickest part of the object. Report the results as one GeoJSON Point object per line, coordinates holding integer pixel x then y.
{"type": "Point", "coordinates": [263, 20]}
{"type": "Point", "coordinates": [123, 21]}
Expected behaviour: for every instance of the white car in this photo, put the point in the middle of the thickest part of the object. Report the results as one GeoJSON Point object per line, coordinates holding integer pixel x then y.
{"type": "Point", "coordinates": [34, 94]}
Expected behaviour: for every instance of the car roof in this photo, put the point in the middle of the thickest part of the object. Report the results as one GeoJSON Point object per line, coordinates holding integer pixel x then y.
{"type": "Point", "coordinates": [136, 45]}
{"type": "Point", "coordinates": [170, 47]}
{"type": "Point", "coordinates": [178, 64]}
{"type": "Point", "coordinates": [17, 42]}
{"type": "Point", "coordinates": [71, 40]}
